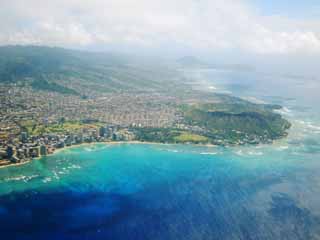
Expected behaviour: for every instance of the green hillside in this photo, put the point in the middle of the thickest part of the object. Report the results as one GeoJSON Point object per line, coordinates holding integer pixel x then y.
{"type": "Point", "coordinates": [240, 120]}
{"type": "Point", "coordinates": [71, 71]}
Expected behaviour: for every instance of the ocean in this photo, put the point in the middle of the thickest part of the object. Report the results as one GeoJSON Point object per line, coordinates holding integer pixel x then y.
{"type": "Point", "coordinates": [156, 191]}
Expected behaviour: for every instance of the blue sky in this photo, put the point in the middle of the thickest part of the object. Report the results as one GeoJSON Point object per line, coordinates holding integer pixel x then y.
{"type": "Point", "coordinates": [291, 8]}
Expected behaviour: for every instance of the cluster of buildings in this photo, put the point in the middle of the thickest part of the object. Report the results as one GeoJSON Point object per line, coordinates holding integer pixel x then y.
{"type": "Point", "coordinates": [21, 106]}
{"type": "Point", "coordinates": [141, 109]}
{"type": "Point", "coordinates": [25, 147]}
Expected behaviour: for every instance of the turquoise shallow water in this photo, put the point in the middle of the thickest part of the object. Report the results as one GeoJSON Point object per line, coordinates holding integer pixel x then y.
{"type": "Point", "coordinates": [137, 191]}
{"type": "Point", "coordinates": [141, 191]}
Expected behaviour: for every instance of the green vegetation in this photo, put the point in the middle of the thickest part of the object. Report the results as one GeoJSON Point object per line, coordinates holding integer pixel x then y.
{"type": "Point", "coordinates": [162, 135]}
{"type": "Point", "coordinates": [168, 135]}
{"type": "Point", "coordinates": [52, 87]}
{"type": "Point", "coordinates": [238, 121]}
{"type": "Point", "coordinates": [36, 129]}
{"type": "Point", "coordinates": [192, 138]}
{"type": "Point", "coordinates": [50, 69]}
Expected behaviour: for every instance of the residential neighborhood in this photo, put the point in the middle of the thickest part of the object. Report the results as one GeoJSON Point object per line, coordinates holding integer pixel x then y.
{"type": "Point", "coordinates": [27, 117]}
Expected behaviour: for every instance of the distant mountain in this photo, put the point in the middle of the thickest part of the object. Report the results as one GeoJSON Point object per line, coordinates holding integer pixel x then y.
{"type": "Point", "coordinates": [77, 72]}
{"type": "Point", "coordinates": [82, 73]}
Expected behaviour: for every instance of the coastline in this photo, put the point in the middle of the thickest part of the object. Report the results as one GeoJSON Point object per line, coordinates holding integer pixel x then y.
{"type": "Point", "coordinates": [94, 143]}
{"type": "Point", "coordinates": [130, 142]}
{"type": "Point", "coordinates": [16, 164]}
{"type": "Point", "coordinates": [115, 143]}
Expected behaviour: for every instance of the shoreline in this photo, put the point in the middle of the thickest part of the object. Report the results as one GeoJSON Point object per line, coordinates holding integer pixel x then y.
{"type": "Point", "coordinates": [129, 142]}
{"type": "Point", "coordinates": [116, 143]}
{"type": "Point", "coordinates": [16, 164]}
{"type": "Point", "coordinates": [94, 143]}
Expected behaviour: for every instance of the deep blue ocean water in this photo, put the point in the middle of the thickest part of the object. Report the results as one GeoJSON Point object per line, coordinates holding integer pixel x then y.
{"type": "Point", "coordinates": [142, 191]}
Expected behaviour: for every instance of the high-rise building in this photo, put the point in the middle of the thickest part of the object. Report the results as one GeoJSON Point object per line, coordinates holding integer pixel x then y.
{"type": "Point", "coordinates": [34, 152]}
{"type": "Point", "coordinates": [102, 131]}
{"type": "Point", "coordinates": [10, 152]}
{"type": "Point", "coordinates": [43, 150]}
{"type": "Point", "coordinates": [79, 139]}
{"type": "Point", "coordinates": [24, 137]}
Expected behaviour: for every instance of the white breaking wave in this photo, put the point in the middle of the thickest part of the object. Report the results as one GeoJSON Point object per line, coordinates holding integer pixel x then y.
{"type": "Point", "coordinates": [56, 176]}
{"type": "Point", "coordinates": [255, 153]}
{"type": "Point", "coordinates": [209, 153]}
{"type": "Point", "coordinates": [283, 148]}
{"type": "Point", "coordinates": [287, 110]}
{"type": "Point", "coordinates": [88, 149]}
{"type": "Point", "coordinates": [240, 153]}
{"type": "Point", "coordinates": [21, 178]}
{"type": "Point", "coordinates": [47, 179]}
{"type": "Point", "coordinates": [250, 153]}
{"type": "Point", "coordinates": [74, 167]}
{"type": "Point", "coordinates": [284, 111]}
{"type": "Point", "coordinates": [309, 126]}
{"type": "Point", "coordinates": [175, 151]}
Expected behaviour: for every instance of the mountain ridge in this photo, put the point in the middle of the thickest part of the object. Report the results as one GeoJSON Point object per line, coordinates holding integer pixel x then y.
{"type": "Point", "coordinates": [51, 66]}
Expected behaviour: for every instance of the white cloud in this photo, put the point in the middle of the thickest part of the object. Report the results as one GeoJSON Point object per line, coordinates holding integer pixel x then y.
{"type": "Point", "coordinates": [197, 24]}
